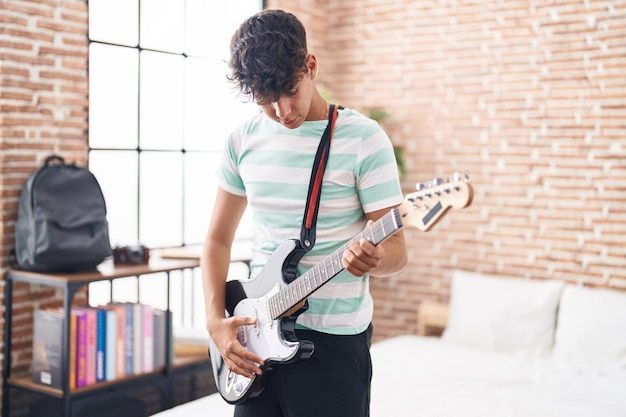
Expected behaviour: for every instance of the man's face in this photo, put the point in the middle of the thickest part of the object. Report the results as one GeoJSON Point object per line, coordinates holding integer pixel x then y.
{"type": "Point", "coordinates": [291, 110]}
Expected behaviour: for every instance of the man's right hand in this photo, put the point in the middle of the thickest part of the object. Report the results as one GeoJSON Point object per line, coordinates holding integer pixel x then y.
{"type": "Point", "coordinates": [237, 358]}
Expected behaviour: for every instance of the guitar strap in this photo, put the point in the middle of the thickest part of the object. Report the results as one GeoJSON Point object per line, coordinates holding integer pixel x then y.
{"type": "Point", "coordinates": [307, 231]}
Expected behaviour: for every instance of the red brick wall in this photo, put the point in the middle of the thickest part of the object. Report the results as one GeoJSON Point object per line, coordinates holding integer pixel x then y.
{"type": "Point", "coordinates": [43, 110]}
{"type": "Point", "coordinates": [529, 97]}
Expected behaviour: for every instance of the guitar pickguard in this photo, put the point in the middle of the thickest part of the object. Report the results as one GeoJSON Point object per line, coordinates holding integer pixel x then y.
{"type": "Point", "coordinates": [264, 338]}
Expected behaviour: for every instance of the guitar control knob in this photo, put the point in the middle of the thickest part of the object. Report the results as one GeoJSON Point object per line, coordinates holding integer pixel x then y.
{"type": "Point", "coordinates": [238, 388]}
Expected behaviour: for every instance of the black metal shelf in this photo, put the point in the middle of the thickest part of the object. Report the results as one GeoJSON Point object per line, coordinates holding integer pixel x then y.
{"type": "Point", "coordinates": [71, 283]}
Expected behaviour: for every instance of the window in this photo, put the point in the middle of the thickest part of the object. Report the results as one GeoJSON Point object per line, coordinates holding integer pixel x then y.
{"type": "Point", "coordinates": [160, 109]}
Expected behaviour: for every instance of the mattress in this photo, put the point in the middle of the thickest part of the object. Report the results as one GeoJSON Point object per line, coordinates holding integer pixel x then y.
{"type": "Point", "coordinates": [427, 377]}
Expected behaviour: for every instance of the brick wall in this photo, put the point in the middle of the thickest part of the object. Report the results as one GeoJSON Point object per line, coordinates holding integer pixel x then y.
{"type": "Point", "coordinates": [43, 110]}
{"type": "Point", "coordinates": [529, 97]}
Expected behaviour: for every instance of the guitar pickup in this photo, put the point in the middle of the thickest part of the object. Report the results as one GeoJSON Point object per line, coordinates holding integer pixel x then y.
{"type": "Point", "coordinates": [241, 335]}
{"type": "Point", "coordinates": [257, 325]}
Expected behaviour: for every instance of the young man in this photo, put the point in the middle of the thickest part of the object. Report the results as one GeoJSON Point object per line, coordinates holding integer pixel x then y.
{"type": "Point", "coordinates": [267, 164]}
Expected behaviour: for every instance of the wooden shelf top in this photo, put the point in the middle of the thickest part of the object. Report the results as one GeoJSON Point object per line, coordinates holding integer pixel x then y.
{"type": "Point", "coordinates": [241, 251]}
{"type": "Point", "coordinates": [106, 270]}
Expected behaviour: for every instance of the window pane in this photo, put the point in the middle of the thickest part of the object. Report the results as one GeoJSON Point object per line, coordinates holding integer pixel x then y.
{"type": "Point", "coordinates": [114, 21]}
{"type": "Point", "coordinates": [210, 25]}
{"type": "Point", "coordinates": [99, 293]}
{"type": "Point", "coordinates": [161, 105]}
{"type": "Point", "coordinates": [187, 305]}
{"type": "Point", "coordinates": [112, 96]}
{"type": "Point", "coordinates": [204, 30]}
{"type": "Point", "coordinates": [198, 317]}
{"type": "Point", "coordinates": [161, 199]}
{"type": "Point", "coordinates": [162, 23]}
{"type": "Point", "coordinates": [117, 173]}
{"type": "Point", "coordinates": [212, 107]}
{"type": "Point", "coordinates": [153, 290]}
{"type": "Point", "coordinates": [200, 188]}
{"type": "Point", "coordinates": [177, 298]}
{"type": "Point", "coordinates": [125, 290]}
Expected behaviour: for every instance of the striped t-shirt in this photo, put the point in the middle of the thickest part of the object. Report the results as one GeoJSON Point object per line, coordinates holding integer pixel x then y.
{"type": "Point", "coordinates": [271, 166]}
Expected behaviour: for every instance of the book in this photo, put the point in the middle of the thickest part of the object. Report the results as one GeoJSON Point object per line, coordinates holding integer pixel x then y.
{"type": "Point", "coordinates": [120, 340]}
{"type": "Point", "coordinates": [91, 343]}
{"type": "Point", "coordinates": [148, 339]}
{"type": "Point", "coordinates": [170, 340]}
{"type": "Point", "coordinates": [47, 348]}
{"type": "Point", "coordinates": [137, 338]}
{"type": "Point", "coordinates": [128, 340]}
{"type": "Point", "coordinates": [81, 347]}
{"type": "Point", "coordinates": [158, 335]}
{"type": "Point", "coordinates": [73, 348]}
{"type": "Point", "coordinates": [111, 345]}
{"type": "Point", "coordinates": [101, 326]}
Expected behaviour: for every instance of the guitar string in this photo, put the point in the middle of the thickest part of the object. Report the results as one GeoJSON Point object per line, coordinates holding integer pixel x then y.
{"type": "Point", "coordinates": [293, 293]}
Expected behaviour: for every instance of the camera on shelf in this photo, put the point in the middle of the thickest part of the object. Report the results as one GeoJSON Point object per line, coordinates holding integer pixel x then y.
{"type": "Point", "coordinates": [131, 255]}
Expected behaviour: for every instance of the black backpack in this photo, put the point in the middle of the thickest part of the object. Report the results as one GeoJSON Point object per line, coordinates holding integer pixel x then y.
{"type": "Point", "coordinates": [61, 224]}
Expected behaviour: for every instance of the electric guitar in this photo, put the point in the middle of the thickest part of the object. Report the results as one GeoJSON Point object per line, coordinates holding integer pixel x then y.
{"type": "Point", "coordinates": [276, 296]}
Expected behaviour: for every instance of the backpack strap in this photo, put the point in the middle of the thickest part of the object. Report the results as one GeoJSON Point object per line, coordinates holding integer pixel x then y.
{"type": "Point", "coordinates": [53, 158]}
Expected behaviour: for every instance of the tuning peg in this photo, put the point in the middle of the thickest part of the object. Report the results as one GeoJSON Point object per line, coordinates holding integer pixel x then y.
{"type": "Point", "coordinates": [437, 181]}
{"type": "Point", "coordinates": [457, 177]}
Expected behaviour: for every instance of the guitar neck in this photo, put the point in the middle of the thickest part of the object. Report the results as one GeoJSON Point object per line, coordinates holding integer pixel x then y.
{"type": "Point", "coordinates": [309, 282]}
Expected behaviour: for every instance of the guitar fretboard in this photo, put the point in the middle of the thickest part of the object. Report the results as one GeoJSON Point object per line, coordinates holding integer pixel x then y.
{"type": "Point", "coordinates": [300, 288]}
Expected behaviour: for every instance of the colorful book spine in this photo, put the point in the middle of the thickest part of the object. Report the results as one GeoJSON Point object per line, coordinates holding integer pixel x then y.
{"type": "Point", "coordinates": [128, 341]}
{"type": "Point", "coordinates": [158, 335]}
{"type": "Point", "coordinates": [111, 344]}
{"type": "Point", "coordinates": [73, 348]}
{"type": "Point", "coordinates": [100, 344]}
{"type": "Point", "coordinates": [137, 338]}
{"type": "Point", "coordinates": [92, 336]}
{"type": "Point", "coordinates": [170, 340]}
{"type": "Point", "coordinates": [120, 355]}
{"type": "Point", "coordinates": [148, 339]}
{"type": "Point", "coordinates": [81, 348]}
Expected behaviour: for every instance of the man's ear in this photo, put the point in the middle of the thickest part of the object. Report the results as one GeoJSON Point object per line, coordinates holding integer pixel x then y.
{"type": "Point", "coordinates": [311, 63]}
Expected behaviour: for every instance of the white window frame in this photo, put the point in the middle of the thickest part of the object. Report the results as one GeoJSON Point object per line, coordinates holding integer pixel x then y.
{"type": "Point", "coordinates": [154, 159]}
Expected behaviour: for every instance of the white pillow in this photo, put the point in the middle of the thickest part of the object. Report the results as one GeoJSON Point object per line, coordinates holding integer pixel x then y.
{"type": "Point", "coordinates": [591, 328]}
{"type": "Point", "coordinates": [502, 314]}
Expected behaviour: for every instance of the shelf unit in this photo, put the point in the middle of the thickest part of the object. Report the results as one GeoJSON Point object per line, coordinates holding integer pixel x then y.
{"type": "Point", "coordinates": [192, 360]}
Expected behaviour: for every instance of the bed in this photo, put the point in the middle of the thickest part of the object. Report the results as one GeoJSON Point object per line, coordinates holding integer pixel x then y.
{"type": "Point", "coordinates": [509, 348]}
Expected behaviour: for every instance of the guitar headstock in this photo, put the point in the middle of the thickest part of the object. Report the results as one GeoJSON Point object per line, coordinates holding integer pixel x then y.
{"type": "Point", "coordinates": [425, 207]}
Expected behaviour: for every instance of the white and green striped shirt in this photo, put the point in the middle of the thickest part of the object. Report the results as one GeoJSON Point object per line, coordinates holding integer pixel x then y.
{"type": "Point", "coordinates": [271, 166]}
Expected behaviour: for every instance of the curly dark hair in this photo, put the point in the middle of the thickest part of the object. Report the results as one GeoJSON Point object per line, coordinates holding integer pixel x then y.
{"type": "Point", "coordinates": [268, 56]}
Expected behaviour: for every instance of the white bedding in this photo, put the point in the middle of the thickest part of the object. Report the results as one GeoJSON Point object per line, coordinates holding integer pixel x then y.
{"type": "Point", "coordinates": [427, 377]}
{"type": "Point", "coordinates": [212, 405]}
{"type": "Point", "coordinates": [419, 376]}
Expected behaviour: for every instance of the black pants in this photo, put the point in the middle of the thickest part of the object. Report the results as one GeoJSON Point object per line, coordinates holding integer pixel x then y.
{"type": "Point", "coordinates": [334, 382]}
